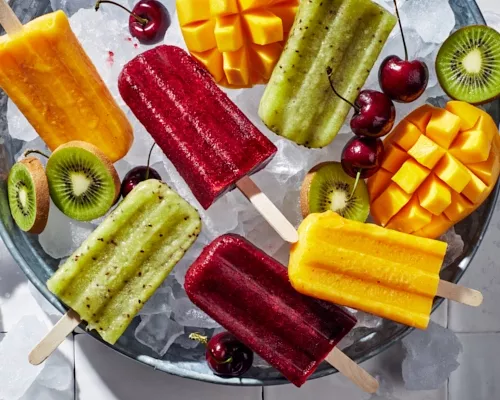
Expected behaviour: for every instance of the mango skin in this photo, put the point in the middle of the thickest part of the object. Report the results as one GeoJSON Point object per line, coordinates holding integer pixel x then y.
{"type": "Point", "coordinates": [464, 167]}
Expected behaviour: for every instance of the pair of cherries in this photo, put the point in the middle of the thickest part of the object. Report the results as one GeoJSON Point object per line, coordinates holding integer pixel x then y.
{"type": "Point", "coordinates": [400, 80]}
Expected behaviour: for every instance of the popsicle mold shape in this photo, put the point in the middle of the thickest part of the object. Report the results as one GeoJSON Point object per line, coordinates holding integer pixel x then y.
{"type": "Point", "coordinates": [364, 266]}
{"type": "Point", "coordinates": [120, 265]}
{"type": "Point", "coordinates": [48, 75]}
{"type": "Point", "coordinates": [238, 41]}
{"type": "Point", "coordinates": [249, 294]}
{"type": "Point", "coordinates": [344, 35]}
{"type": "Point", "coordinates": [441, 165]}
{"type": "Point", "coordinates": [205, 135]}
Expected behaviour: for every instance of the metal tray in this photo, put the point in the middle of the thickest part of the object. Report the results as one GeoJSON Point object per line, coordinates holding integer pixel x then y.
{"type": "Point", "coordinates": [38, 267]}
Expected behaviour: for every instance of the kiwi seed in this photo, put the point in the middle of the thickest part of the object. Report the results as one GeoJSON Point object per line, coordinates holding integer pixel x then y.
{"type": "Point", "coordinates": [327, 187]}
{"type": "Point", "coordinates": [28, 193]}
{"type": "Point", "coordinates": [468, 64]}
{"type": "Point", "coordinates": [83, 182]}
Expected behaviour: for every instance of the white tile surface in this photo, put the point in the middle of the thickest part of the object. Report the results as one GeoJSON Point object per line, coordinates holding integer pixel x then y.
{"type": "Point", "coordinates": [386, 367]}
{"type": "Point", "coordinates": [477, 376]}
{"type": "Point", "coordinates": [102, 374]}
{"type": "Point", "coordinates": [484, 275]}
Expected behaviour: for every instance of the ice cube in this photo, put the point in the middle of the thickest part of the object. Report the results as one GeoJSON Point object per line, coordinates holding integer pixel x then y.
{"type": "Point", "coordinates": [431, 356]}
{"type": "Point", "coordinates": [57, 373]}
{"type": "Point", "coordinates": [455, 246]}
{"type": "Point", "coordinates": [160, 302]}
{"type": "Point", "coordinates": [187, 314]}
{"type": "Point", "coordinates": [40, 392]}
{"type": "Point", "coordinates": [71, 6]}
{"type": "Point", "coordinates": [19, 127]}
{"type": "Point", "coordinates": [158, 332]}
{"type": "Point", "coordinates": [16, 373]}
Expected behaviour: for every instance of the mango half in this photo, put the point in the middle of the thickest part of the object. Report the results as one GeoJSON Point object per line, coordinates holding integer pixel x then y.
{"type": "Point", "coordinates": [238, 41]}
{"type": "Point", "coordinates": [440, 164]}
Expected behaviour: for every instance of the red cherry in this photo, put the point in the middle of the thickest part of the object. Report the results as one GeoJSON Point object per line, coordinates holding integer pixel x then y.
{"type": "Point", "coordinates": [403, 80]}
{"type": "Point", "coordinates": [375, 114]}
{"type": "Point", "coordinates": [135, 176]}
{"type": "Point", "coordinates": [148, 22]}
{"type": "Point", "coordinates": [363, 156]}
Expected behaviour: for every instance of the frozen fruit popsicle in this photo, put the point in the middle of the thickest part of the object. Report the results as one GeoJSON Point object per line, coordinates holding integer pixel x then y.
{"type": "Point", "coordinates": [344, 35]}
{"type": "Point", "coordinates": [117, 269]}
{"type": "Point", "coordinates": [249, 294]}
{"type": "Point", "coordinates": [209, 140]}
{"type": "Point", "coordinates": [373, 269]}
{"type": "Point", "coordinates": [45, 71]}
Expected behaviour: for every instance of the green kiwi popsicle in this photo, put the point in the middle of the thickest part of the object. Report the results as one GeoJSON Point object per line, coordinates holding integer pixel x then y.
{"type": "Point", "coordinates": [345, 35]}
{"type": "Point", "coordinates": [120, 265]}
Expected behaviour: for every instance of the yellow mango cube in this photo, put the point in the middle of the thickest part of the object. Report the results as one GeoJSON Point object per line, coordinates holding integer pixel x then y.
{"type": "Point", "coordinates": [421, 116]}
{"type": "Point", "coordinates": [286, 12]}
{"type": "Point", "coordinates": [212, 61]}
{"type": "Point", "coordinates": [264, 27]}
{"type": "Point", "coordinates": [443, 127]}
{"type": "Point", "coordinates": [264, 58]}
{"type": "Point", "coordinates": [394, 157]}
{"type": "Point", "coordinates": [220, 8]}
{"type": "Point", "coordinates": [378, 182]}
{"type": "Point", "coordinates": [405, 135]}
{"type": "Point", "coordinates": [486, 125]}
{"type": "Point", "coordinates": [471, 147]}
{"type": "Point", "coordinates": [249, 4]}
{"type": "Point", "coordinates": [438, 225]}
{"type": "Point", "coordinates": [475, 189]}
{"type": "Point", "coordinates": [412, 217]}
{"type": "Point", "coordinates": [434, 195]}
{"type": "Point", "coordinates": [458, 207]}
{"type": "Point", "coordinates": [235, 66]}
{"type": "Point", "coordinates": [228, 33]}
{"type": "Point", "coordinates": [410, 176]}
{"type": "Point", "coordinates": [487, 170]}
{"type": "Point", "coordinates": [468, 113]}
{"type": "Point", "coordinates": [389, 203]}
{"type": "Point", "coordinates": [452, 172]}
{"type": "Point", "coordinates": [189, 11]}
{"type": "Point", "coordinates": [426, 152]}
{"type": "Point", "coordinates": [200, 36]}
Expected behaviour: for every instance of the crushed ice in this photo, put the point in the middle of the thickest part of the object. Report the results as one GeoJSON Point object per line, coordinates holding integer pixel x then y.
{"type": "Point", "coordinates": [169, 315]}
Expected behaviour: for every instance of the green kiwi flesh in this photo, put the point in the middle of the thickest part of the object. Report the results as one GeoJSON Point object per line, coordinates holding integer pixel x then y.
{"type": "Point", "coordinates": [28, 194]}
{"type": "Point", "coordinates": [83, 182]}
{"type": "Point", "coordinates": [328, 187]}
{"type": "Point", "coordinates": [468, 64]}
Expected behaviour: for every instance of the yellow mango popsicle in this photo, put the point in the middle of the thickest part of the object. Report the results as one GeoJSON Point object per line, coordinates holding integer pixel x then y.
{"type": "Point", "coordinates": [48, 75]}
{"type": "Point", "coordinates": [367, 267]}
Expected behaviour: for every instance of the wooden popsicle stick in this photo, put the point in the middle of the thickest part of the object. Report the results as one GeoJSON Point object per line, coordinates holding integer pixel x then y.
{"type": "Point", "coordinates": [352, 371]}
{"type": "Point", "coordinates": [268, 210]}
{"type": "Point", "coordinates": [8, 19]}
{"type": "Point", "coordinates": [460, 294]}
{"type": "Point", "coordinates": [54, 338]}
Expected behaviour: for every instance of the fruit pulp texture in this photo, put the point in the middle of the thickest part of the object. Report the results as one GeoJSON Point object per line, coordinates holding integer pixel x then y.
{"type": "Point", "coordinates": [345, 35]}
{"type": "Point", "coordinates": [367, 267]}
{"type": "Point", "coordinates": [449, 164]}
{"type": "Point", "coordinates": [48, 75]}
{"type": "Point", "coordinates": [249, 294]}
{"type": "Point", "coordinates": [239, 42]}
{"type": "Point", "coordinates": [120, 265]}
{"type": "Point", "coordinates": [204, 134]}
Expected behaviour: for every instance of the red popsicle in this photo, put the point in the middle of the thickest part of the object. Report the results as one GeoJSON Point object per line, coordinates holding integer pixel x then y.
{"type": "Point", "coordinates": [249, 294]}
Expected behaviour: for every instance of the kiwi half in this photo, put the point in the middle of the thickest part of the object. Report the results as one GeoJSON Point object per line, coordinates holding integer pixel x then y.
{"type": "Point", "coordinates": [327, 187]}
{"type": "Point", "coordinates": [83, 183]}
{"type": "Point", "coordinates": [468, 64]}
{"type": "Point", "coordinates": [28, 193]}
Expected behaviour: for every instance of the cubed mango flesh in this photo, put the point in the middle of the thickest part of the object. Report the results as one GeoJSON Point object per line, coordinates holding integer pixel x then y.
{"type": "Point", "coordinates": [235, 29]}
{"type": "Point", "coordinates": [458, 151]}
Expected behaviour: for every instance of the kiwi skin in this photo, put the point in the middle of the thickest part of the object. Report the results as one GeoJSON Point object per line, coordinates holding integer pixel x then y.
{"type": "Point", "coordinates": [101, 156]}
{"type": "Point", "coordinates": [438, 68]}
{"type": "Point", "coordinates": [42, 197]}
{"type": "Point", "coordinates": [306, 187]}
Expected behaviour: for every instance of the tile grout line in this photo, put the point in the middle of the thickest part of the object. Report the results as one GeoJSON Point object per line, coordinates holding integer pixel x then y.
{"type": "Point", "coordinates": [263, 396]}
{"type": "Point", "coordinates": [74, 366]}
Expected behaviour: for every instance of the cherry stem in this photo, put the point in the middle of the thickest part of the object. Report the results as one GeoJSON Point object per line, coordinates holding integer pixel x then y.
{"type": "Point", "coordinates": [149, 159]}
{"type": "Point", "coordinates": [28, 152]}
{"type": "Point", "coordinates": [199, 338]}
{"type": "Point", "coordinates": [401, 28]}
{"type": "Point", "coordinates": [142, 21]}
{"type": "Point", "coordinates": [329, 73]}
{"type": "Point", "coordinates": [358, 176]}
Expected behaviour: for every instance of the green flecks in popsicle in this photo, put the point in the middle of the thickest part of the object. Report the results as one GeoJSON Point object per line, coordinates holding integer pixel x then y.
{"type": "Point", "coordinates": [346, 35]}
